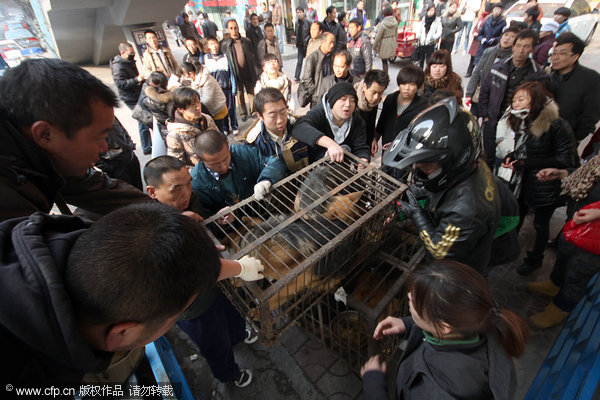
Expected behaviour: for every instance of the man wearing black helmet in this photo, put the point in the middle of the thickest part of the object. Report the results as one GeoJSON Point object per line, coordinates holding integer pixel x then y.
{"type": "Point", "coordinates": [462, 204]}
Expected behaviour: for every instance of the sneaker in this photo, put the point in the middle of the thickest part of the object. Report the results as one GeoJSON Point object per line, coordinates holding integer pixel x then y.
{"type": "Point", "coordinates": [236, 132]}
{"type": "Point", "coordinates": [244, 378]}
{"type": "Point", "coordinates": [467, 75]}
{"type": "Point", "coordinates": [251, 336]}
{"type": "Point", "coordinates": [529, 265]}
{"type": "Point", "coordinates": [225, 132]}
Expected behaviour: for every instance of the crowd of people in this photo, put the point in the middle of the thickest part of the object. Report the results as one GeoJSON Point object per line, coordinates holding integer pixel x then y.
{"type": "Point", "coordinates": [476, 161]}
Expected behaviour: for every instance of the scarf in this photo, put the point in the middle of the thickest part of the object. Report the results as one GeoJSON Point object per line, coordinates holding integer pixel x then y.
{"type": "Point", "coordinates": [340, 133]}
{"type": "Point", "coordinates": [579, 183]}
{"type": "Point", "coordinates": [363, 104]}
{"type": "Point", "coordinates": [501, 54]}
{"type": "Point", "coordinates": [428, 21]}
{"type": "Point", "coordinates": [437, 83]}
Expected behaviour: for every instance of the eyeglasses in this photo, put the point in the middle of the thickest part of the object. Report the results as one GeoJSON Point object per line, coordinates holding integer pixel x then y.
{"type": "Point", "coordinates": [563, 53]}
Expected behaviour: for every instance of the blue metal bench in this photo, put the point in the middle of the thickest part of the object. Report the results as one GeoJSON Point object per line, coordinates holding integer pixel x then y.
{"type": "Point", "coordinates": [571, 369]}
{"type": "Point", "coordinates": [166, 368]}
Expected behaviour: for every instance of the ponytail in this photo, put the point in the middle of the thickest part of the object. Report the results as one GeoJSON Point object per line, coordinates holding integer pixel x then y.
{"type": "Point", "coordinates": [510, 330]}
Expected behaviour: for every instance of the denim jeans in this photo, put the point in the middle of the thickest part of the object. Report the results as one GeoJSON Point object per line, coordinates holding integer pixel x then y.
{"type": "Point", "coordinates": [301, 55]}
{"type": "Point", "coordinates": [467, 29]}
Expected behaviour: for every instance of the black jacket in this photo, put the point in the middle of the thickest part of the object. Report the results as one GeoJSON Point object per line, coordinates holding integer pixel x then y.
{"type": "Point", "coordinates": [338, 32]}
{"type": "Point", "coordinates": [124, 74]}
{"type": "Point", "coordinates": [460, 222]}
{"type": "Point", "coordinates": [314, 124]}
{"type": "Point", "coordinates": [550, 144]}
{"type": "Point", "coordinates": [302, 34]}
{"type": "Point", "coordinates": [30, 182]}
{"type": "Point", "coordinates": [578, 96]}
{"type": "Point", "coordinates": [246, 78]}
{"type": "Point", "coordinates": [38, 331]}
{"type": "Point", "coordinates": [480, 370]}
{"type": "Point", "coordinates": [390, 124]}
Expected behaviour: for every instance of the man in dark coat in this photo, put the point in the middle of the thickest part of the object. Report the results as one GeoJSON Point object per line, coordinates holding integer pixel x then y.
{"type": "Point", "coordinates": [75, 297]}
{"type": "Point", "coordinates": [302, 38]}
{"type": "Point", "coordinates": [255, 34]}
{"type": "Point", "coordinates": [334, 123]}
{"type": "Point", "coordinates": [50, 139]}
{"type": "Point", "coordinates": [490, 32]}
{"type": "Point", "coordinates": [129, 85]}
{"type": "Point", "coordinates": [335, 28]}
{"type": "Point", "coordinates": [575, 87]}
{"type": "Point", "coordinates": [370, 92]}
{"type": "Point", "coordinates": [318, 65]}
{"type": "Point", "coordinates": [499, 85]}
{"type": "Point", "coordinates": [209, 28]}
{"type": "Point", "coordinates": [239, 50]}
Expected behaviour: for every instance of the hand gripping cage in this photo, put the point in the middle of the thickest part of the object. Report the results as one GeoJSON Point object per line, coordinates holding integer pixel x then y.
{"type": "Point", "coordinates": [313, 230]}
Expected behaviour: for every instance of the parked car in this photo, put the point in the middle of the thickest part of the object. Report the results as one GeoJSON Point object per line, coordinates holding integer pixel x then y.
{"type": "Point", "coordinates": [583, 20]}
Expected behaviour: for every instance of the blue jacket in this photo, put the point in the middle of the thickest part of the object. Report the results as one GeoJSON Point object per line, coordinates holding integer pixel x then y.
{"type": "Point", "coordinates": [225, 77]}
{"type": "Point", "coordinates": [249, 168]}
{"type": "Point", "coordinates": [490, 31]}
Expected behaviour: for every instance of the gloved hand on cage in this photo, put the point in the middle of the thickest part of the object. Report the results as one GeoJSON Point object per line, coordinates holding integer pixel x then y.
{"type": "Point", "coordinates": [412, 209]}
{"type": "Point", "coordinates": [251, 269]}
{"type": "Point", "coordinates": [261, 190]}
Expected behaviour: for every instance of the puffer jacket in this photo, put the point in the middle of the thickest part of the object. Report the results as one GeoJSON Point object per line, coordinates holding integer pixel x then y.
{"type": "Point", "coordinates": [361, 51]}
{"type": "Point", "coordinates": [551, 144]}
{"type": "Point", "coordinates": [386, 40]}
{"type": "Point", "coordinates": [181, 137]}
{"type": "Point", "coordinates": [434, 34]}
{"type": "Point", "coordinates": [125, 73]}
{"type": "Point", "coordinates": [480, 370]}
{"type": "Point", "coordinates": [248, 168]}
{"type": "Point", "coordinates": [211, 94]}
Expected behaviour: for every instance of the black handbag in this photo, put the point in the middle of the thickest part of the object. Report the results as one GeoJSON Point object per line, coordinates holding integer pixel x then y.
{"type": "Point", "coordinates": [142, 115]}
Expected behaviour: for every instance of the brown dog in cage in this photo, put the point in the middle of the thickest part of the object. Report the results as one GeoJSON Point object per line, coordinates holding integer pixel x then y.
{"type": "Point", "coordinates": [285, 250]}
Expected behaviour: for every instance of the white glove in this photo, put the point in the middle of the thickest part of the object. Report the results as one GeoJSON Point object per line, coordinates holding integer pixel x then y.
{"type": "Point", "coordinates": [261, 189]}
{"type": "Point", "coordinates": [251, 269]}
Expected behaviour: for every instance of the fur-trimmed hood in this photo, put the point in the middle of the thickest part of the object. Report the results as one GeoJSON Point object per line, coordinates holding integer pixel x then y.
{"type": "Point", "coordinates": [543, 121]}
{"type": "Point", "coordinates": [157, 95]}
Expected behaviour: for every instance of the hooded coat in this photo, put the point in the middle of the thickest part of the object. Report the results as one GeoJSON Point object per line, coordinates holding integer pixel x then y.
{"type": "Point", "coordinates": [39, 333]}
{"type": "Point", "coordinates": [386, 40]}
{"type": "Point", "coordinates": [551, 145]}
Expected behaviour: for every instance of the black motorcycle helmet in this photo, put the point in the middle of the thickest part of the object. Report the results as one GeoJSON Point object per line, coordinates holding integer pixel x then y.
{"type": "Point", "coordinates": [442, 133]}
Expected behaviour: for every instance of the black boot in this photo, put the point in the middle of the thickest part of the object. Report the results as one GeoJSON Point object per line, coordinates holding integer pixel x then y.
{"type": "Point", "coordinates": [529, 265]}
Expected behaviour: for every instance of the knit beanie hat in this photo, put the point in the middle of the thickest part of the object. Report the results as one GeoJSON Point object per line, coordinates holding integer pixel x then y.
{"type": "Point", "coordinates": [338, 90]}
{"type": "Point", "coordinates": [550, 26]}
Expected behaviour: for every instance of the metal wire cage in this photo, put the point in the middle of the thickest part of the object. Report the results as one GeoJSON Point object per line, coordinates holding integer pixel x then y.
{"type": "Point", "coordinates": [315, 228]}
{"type": "Point", "coordinates": [345, 319]}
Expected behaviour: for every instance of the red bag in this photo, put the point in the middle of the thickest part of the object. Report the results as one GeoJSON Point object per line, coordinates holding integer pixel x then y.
{"type": "Point", "coordinates": [585, 236]}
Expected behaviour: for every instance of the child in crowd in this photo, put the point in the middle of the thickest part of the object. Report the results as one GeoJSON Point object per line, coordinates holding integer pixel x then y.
{"type": "Point", "coordinates": [211, 321]}
{"type": "Point", "coordinates": [460, 342]}
{"type": "Point", "coordinates": [220, 67]}
{"type": "Point", "coordinates": [273, 77]}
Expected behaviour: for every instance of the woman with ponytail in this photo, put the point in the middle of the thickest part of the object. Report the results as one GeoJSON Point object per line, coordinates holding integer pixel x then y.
{"type": "Point", "coordinates": [459, 341]}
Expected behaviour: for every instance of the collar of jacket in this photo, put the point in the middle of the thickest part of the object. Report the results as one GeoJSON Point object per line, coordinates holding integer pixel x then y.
{"type": "Point", "coordinates": [27, 160]}
{"type": "Point", "coordinates": [544, 120]}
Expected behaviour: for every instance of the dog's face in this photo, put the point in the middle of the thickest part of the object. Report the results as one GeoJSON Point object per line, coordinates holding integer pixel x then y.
{"type": "Point", "coordinates": [341, 207]}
